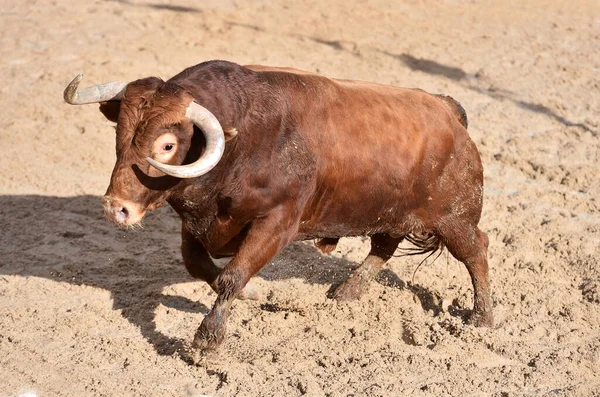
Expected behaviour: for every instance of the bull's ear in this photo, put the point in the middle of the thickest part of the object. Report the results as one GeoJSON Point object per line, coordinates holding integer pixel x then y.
{"type": "Point", "coordinates": [230, 133]}
{"type": "Point", "coordinates": [110, 110]}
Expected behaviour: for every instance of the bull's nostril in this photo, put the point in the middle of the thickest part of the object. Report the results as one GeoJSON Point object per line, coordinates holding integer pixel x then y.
{"type": "Point", "coordinates": [124, 212]}
{"type": "Point", "coordinates": [121, 215]}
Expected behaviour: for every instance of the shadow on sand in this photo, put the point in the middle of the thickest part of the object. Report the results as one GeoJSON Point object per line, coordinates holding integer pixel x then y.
{"type": "Point", "coordinates": [159, 6]}
{"type": "Point", "coordinates": [68, 240]}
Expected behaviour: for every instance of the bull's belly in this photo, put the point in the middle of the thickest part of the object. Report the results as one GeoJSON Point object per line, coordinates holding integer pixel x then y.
{"type": "Point", "coordinates": [391, 223]}
{"type": "Point", "coordinates": [366, 209]}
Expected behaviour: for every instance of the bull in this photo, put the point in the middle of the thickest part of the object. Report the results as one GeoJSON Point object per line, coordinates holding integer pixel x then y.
{"type": "Point", "coordinates": [253, 158]}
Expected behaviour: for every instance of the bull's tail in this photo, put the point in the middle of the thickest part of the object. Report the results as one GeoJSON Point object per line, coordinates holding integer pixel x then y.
{"type": "Point", "coordinates": [425, 243]}
{"type": "Point", "coordinates": [455, 108]}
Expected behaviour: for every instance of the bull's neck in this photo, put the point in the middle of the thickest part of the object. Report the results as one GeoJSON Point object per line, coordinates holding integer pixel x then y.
{"type": "Point", "coordinates": [221, 87]}
{"type": "Point", "coordinates": [194, 196]}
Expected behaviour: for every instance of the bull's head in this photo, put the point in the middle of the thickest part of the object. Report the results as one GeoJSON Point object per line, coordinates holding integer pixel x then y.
{"type": "Point", "coordinates": [155, 127]}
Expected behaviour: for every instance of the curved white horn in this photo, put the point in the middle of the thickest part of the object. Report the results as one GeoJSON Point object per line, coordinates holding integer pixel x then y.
{"type": "Point", "coordinates": [215, 145]}
{"type": "Point", "coordinates": [97, 93]}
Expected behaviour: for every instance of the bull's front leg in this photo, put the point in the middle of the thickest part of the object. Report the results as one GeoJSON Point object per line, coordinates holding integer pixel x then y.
{"type": "Point", "coordinates": [200, 265]}
{"type": "Point", "coordinates": [266, 237]}
{"type": "Point", "coordinates": [197, 260]}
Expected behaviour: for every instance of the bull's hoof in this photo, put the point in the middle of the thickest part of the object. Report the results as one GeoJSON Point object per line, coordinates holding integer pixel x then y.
{"type": "Point", "coordinates": [210, 333]}
{"type": "Point", "coordinates": [351, 289]}
{"type": "Point", "coordinates": [208, 338]}
{"type": "Point", "coordinates": [485, 319]}
{"type": "Point", "coordinates": [202, 347]}
{"type": "Point", "coordinates": [194, 356]}
{"type": "Point", "coordinates": [204, 344]}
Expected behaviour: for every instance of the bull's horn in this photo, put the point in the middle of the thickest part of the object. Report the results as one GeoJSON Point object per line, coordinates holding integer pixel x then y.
{"type": "Point", "coordinates": [215, 145]}
{"type": "Point", "coordinates": [97, 93]}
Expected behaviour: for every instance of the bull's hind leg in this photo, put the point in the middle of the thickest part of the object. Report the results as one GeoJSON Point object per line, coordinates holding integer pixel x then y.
{"type": "Point", "coordinates": [469, 245]}
{"type": "Point", "coordinates": [383, 247]}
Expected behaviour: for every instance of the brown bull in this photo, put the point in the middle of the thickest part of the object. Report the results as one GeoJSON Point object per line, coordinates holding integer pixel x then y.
{"type": "Point", "coordinates": [252, 158]}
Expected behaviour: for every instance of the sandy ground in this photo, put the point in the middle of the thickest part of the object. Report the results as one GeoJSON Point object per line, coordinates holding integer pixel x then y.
{"type": "Point", "coordinates": [88, 309]}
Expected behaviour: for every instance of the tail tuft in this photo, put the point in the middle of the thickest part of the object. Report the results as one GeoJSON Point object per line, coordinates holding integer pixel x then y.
{"type": "Point", "coordinates": [426, 243]}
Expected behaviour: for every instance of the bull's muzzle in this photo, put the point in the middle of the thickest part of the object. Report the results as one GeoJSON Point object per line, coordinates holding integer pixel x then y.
{"type": "Point", "coordinates": [122, 212]}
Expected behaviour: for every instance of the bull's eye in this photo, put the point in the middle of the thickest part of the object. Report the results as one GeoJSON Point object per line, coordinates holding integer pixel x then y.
{"type": "Point", "coordinates": [168, 147]}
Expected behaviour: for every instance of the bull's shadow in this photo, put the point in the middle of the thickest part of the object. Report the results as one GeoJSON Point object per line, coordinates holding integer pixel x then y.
{"type": "Point", "coordinates": [68, 240]}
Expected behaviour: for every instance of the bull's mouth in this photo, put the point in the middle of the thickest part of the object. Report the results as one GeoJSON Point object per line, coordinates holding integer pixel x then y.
{"type": "Point", "coordinates": [124, 213]}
